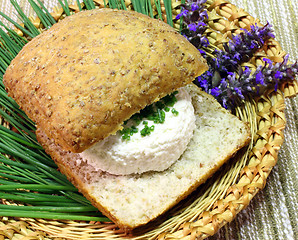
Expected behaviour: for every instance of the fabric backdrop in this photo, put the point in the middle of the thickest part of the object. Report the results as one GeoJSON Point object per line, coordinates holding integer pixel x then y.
{"type": "Point", "coordinates": [272, 214]}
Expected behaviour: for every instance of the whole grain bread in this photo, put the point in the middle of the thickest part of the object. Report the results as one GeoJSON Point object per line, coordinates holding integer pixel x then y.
{"type": "Point", "coordinates": [134, 200]}
{"type": "Point", "coordinates": [88, 73]}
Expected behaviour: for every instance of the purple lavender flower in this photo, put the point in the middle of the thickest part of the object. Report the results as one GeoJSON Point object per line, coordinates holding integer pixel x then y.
{"type": "Point", "coordinates": [194, 16]}
{"type": "Point", "coordinates": [260, 78]}
{"type": "Point", "coordinates": [268, 61]}
{"type": "Point", "coordinates": [215, 91]}
{"type": "Point", "coordinates": [192, 27]}
{"type": "Point", "coordinates": [203, 83]}
{"type": "Point", "coordinates": [264, 33]}
{"type": "Point", "coordinates": [225, 79]}
{"type": "Point", "coordinates": [242, 47]}
{"type": "Point", "coordinates": [183, 13]}
{"type": "Point", "coordinates": [226, 74]}
{"type": "Point", "coordinates": [278, 75]}
{"type": "Point", "coordinates": [236, 86]}
{"type": "Point", "coordinates": [238, 91]}
{"type": "Point", "coordinates": [194, 7]}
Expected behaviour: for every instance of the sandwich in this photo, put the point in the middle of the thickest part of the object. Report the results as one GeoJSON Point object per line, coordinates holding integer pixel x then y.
{"type": "Point", "coordinates": [112, 97]}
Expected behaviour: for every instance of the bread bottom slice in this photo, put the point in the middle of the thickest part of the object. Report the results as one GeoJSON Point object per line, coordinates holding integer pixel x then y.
{"type": "Point", "coordinates": [134, 200]}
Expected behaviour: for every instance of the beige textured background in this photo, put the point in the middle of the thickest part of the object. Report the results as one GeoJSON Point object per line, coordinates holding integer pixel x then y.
{"type": "Point", "coordinates": [272, 214]}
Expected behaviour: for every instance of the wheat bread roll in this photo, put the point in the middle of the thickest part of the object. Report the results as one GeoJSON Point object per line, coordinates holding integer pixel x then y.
{"type": "Point", "coordinates": [134, 200]}
{"type": "Point", "coordinates": [79, 80]}
{"type": "Point", "coordinates": [83, 77]}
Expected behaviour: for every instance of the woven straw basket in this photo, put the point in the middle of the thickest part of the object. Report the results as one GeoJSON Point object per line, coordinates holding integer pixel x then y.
{"type": "Point", "coordinates": [224, 195]}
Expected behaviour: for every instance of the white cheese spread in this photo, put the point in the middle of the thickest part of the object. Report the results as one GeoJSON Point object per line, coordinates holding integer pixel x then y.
{"type": "Point", "coordinates": [154, 152]}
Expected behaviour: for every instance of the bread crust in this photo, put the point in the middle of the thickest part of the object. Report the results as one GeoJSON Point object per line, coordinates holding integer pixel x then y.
{"type": "Point", "coordinates": [72, 166]}
{"type": "Point", "coordinates": [88, 73]}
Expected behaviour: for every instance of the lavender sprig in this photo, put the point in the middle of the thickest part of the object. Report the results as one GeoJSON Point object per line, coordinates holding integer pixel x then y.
{"type": "Point", "coordinates": [194, 17]}
{"type": "Point", "coordinates": [220, 79]}
{"type": "Point", "coordinates": [240, 49]}
{"type": "Point", "coordinates": [269, 76]}
{"type": "Point", "coordinates": [236, 86]}
{"type": "Point", "coordinates": [244, 45]}
{"type": "Point", "coordinates": [225, 79]}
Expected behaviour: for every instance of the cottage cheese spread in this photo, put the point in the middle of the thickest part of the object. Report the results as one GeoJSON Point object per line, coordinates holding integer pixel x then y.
{"type": "Point", "coordinates": [155, 152]}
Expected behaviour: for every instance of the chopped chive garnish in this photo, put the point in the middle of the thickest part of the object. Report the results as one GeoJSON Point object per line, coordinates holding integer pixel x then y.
{"type": "Point", "coordinates": [175, 112]}
{"type": "Point", "coordinates": [154, 112]}
{"type": "Point", "coordinates": [146, 130]}
{"type": "Point", "coordinates": [161, 116]}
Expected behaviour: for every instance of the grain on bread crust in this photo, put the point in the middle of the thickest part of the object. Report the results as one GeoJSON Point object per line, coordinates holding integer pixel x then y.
{"type": "Point", "coordinates": [88, 73]}
{"type": "Point", "coordinates": [134, 200]}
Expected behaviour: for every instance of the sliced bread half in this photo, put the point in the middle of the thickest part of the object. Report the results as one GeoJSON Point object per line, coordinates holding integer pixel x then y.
{"type": "Point", "coordinates": [134, 200]}
{"type": "Point", "coordinates": [79, 80]}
